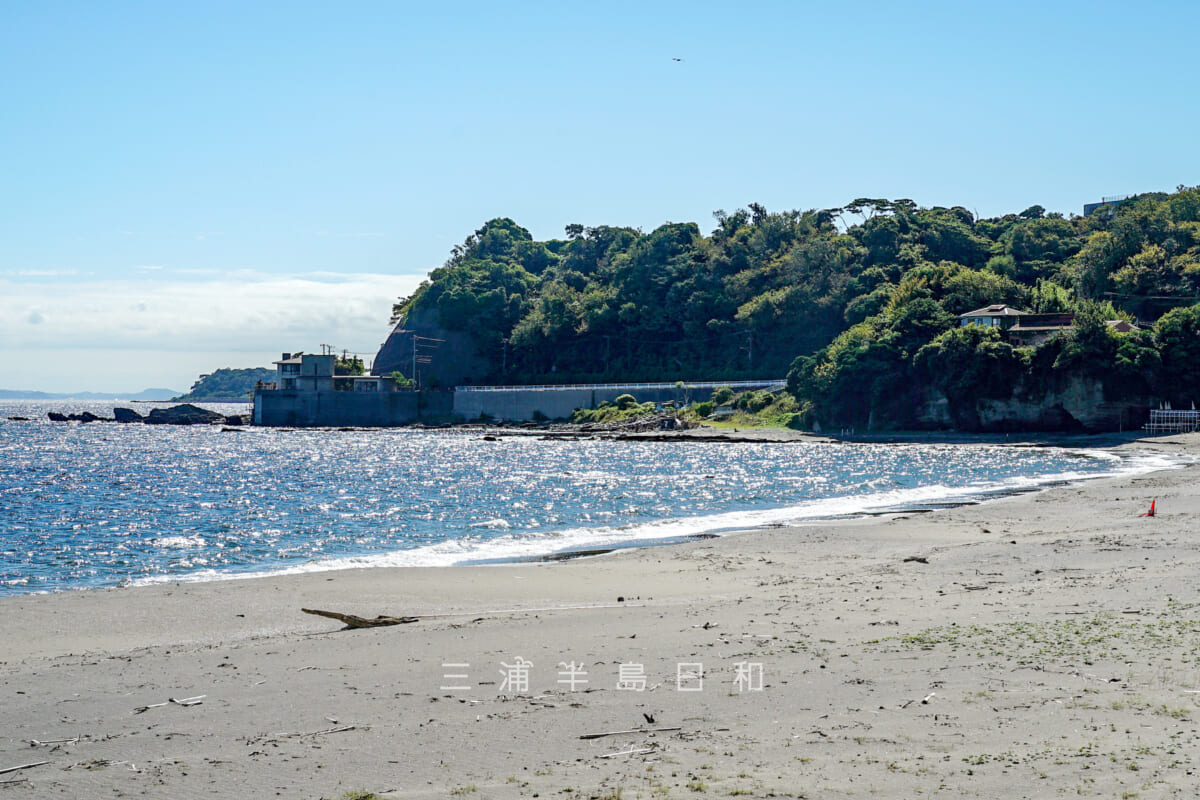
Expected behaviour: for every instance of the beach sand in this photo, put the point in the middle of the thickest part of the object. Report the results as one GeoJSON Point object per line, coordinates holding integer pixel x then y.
{"type": "Point", "coordinates": [1047, 644]}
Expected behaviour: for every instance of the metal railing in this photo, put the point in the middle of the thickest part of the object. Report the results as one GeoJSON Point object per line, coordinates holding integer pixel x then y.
{"type": "Point", "coordinates": [567, 387]}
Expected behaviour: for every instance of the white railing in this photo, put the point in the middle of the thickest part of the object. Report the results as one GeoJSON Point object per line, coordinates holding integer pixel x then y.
{"type": "Point", "coordinates": [568, 387]}
{"type": "Point", "coordinates": [1169, 421]}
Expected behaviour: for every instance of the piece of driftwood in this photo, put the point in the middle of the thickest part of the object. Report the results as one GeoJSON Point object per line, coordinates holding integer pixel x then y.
{"type": "Point", "coordinates": [7, 770]}
{"type": "Point", "coordinates": [631, 730]}
{"type": "Point", "coordinates": [353, 621]}
{"type": "Point", "coordinates": [341, 729]}
{"type": "Point", "coordinates": [630, 752]}
{"type": "Point", "coordinates": [185, 702]}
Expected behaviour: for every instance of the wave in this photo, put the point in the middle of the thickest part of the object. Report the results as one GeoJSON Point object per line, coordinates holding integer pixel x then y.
{"type": "Point", "coordinates": [509, 547]}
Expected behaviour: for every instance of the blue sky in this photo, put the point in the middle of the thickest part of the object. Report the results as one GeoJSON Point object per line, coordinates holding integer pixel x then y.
{"type": "Point", "coordinates": [197, 185]}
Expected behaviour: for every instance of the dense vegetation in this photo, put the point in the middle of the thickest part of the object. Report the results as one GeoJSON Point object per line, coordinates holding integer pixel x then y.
{"type": "Point", "coordinates": [227, 384]}
{"type": "Point", "coordinates": [856, 305]}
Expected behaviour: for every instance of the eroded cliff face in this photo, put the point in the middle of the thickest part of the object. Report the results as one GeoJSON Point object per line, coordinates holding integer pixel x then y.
{"type": "Point", "coordinates": [1078, 404]}
{"type": "Point", "coordinates": [445, 358]}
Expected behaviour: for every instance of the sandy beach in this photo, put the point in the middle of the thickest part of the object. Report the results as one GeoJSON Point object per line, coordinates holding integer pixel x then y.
{"type": "Point", "coordinates": [1033, 646]}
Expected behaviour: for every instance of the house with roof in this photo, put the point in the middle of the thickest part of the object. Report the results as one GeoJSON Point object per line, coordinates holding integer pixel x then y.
{"type": "Point", "coordinates": [994, 316]}
{"type": "Point", "coordinates": [1025, 329]}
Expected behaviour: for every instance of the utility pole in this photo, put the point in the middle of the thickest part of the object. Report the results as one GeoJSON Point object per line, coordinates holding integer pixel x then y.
{"type": "Point", "coordinates": [749, 348]}
{"type": "Point", "coordinates": [419, 357]}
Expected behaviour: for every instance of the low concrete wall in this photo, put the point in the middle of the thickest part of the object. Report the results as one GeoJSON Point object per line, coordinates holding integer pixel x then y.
{"type": "Point", "coordinates": [521, 404]}
{"type": "Point", "coordinates": [287, 408]}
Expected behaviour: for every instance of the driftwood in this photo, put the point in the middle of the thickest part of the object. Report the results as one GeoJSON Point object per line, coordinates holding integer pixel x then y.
{"type": "Point", "coordinates": [352, 621]}
{"type": "Point", "coordinates": [341, 729]}
{"type": "Point", "coordinates": [7, 770]}
{"type": "Point", "coordinates": [629, 752]}
{"type": "Point", "coordinates": [631, 730]}
{"type": "Point", "coordinates": [185, 702]}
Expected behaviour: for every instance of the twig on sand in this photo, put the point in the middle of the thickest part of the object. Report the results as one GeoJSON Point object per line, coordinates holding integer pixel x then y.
{"type": "Point", "coordinates": [40, 743]}
{"type": "Point", "coordinates": [341, 729]}
{"type": "Point", "coordinates": [7, 770]}
{"type": "Point", "coordinates": [185, 702]}
{"type": "Point", "coordinates": [631, 730]}
{"type": "Point", "coordinates": [630, 752]}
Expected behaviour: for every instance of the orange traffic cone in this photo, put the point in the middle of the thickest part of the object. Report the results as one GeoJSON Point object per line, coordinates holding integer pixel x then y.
{"type": "Point", "coordinates": [1149, 513]}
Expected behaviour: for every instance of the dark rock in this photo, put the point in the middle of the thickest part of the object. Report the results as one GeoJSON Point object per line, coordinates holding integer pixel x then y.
{"type": "Point", "coordinates": [185, 414]}
{"type": "Point", "coordinates": [57, 417]}
{"type": "Point", "coordinates": [127, 415]}
{"type": "Point", "coordinates": [88, 416]}
{"type": "Point", "coordinates": [236, 419]}
{"type": "Point", "coordinates": [18, 419]}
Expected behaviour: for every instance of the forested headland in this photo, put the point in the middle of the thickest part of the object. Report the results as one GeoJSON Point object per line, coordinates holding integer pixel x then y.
{"type": "Point", "coordinates": [227, 384]}
{"type": "Point", "coordinates": [857, 305]}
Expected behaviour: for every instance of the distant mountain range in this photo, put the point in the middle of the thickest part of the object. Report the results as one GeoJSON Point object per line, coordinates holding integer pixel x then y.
{"type": "Point", "coordinates": [145, 394]}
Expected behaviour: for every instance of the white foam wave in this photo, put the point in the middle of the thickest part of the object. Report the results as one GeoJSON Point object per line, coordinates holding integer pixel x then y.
{"type": "Point", "coordinates": [512, 546]}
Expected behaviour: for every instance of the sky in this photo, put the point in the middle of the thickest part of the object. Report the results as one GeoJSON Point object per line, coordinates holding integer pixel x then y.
{"type": "Point", "coordinates": [189, 186]}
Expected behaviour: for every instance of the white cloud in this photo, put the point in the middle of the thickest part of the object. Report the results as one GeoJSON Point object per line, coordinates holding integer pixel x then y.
{"type": "Point", "coordinates": [199, 314]}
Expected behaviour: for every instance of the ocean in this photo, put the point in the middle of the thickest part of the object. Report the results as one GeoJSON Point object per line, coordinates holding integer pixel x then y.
{"type": "Point", "coordinates": [101, 504]}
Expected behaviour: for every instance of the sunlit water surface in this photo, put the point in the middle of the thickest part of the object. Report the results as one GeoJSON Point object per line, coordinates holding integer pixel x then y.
{"type": "Point", "coordinates": [105, 504]}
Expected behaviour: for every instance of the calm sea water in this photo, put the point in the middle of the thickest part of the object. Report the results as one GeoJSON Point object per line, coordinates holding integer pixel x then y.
{"type": "Point", "coordinates": [104, 504]}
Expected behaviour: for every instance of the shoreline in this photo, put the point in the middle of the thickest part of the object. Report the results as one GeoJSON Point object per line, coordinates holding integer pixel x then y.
{"type": "Point", "coordinates": [870, 507]}
{"type": "Point", "coordinates": [1034, 644]}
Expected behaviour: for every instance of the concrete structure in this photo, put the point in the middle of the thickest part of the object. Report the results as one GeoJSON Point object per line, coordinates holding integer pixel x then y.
{"type": "Point", "coordinates": [1090, 208]}
{"type": "Point", "coordinates": [523, 403]}
{"type": "Point", "coordinates": [337, 408]}
{"type": "Point", "coordinates": [307, 393]}
{"type": "Point", "coordinates": [308, 373]}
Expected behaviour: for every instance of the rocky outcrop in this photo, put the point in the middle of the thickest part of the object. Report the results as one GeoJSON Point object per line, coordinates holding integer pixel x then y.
{"type": "Point", "coordinates": [453, 359]}
{"type": "Point", "coordinates": [186, 414]}
{"type": "Point", "coordinates": [1077, 404]}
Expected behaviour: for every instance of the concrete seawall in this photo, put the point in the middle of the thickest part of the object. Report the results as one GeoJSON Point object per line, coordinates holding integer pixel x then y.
{"type": "Point", "coordinates": [518, 403]}
{"type": "Point", "coordinates": [328, 408]}
{"type": "Point", "coordinates": [289, 408]}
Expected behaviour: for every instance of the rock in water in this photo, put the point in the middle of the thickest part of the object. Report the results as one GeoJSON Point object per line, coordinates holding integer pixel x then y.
{"type": "Point", "coordinates": [127, 415]}
{"type": "Point", "coordinates": [57, 417]}
{"type": "Point", "coordinates": [185, 414]}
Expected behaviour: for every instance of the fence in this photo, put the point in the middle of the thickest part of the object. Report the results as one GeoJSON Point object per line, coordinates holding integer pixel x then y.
{"type": "Point", "coordinates": [1169, 421]}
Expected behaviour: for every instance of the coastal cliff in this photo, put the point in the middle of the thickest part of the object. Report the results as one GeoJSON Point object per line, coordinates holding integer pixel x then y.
{"type": "Point", "coordinates": [1078, 404]}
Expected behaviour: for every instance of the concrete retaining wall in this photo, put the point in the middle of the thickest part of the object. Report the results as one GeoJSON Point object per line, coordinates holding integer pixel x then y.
{"type": "Point", "coordinates": [519, 404]}
{"type": "Point", "coordinates": [358, 409]}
